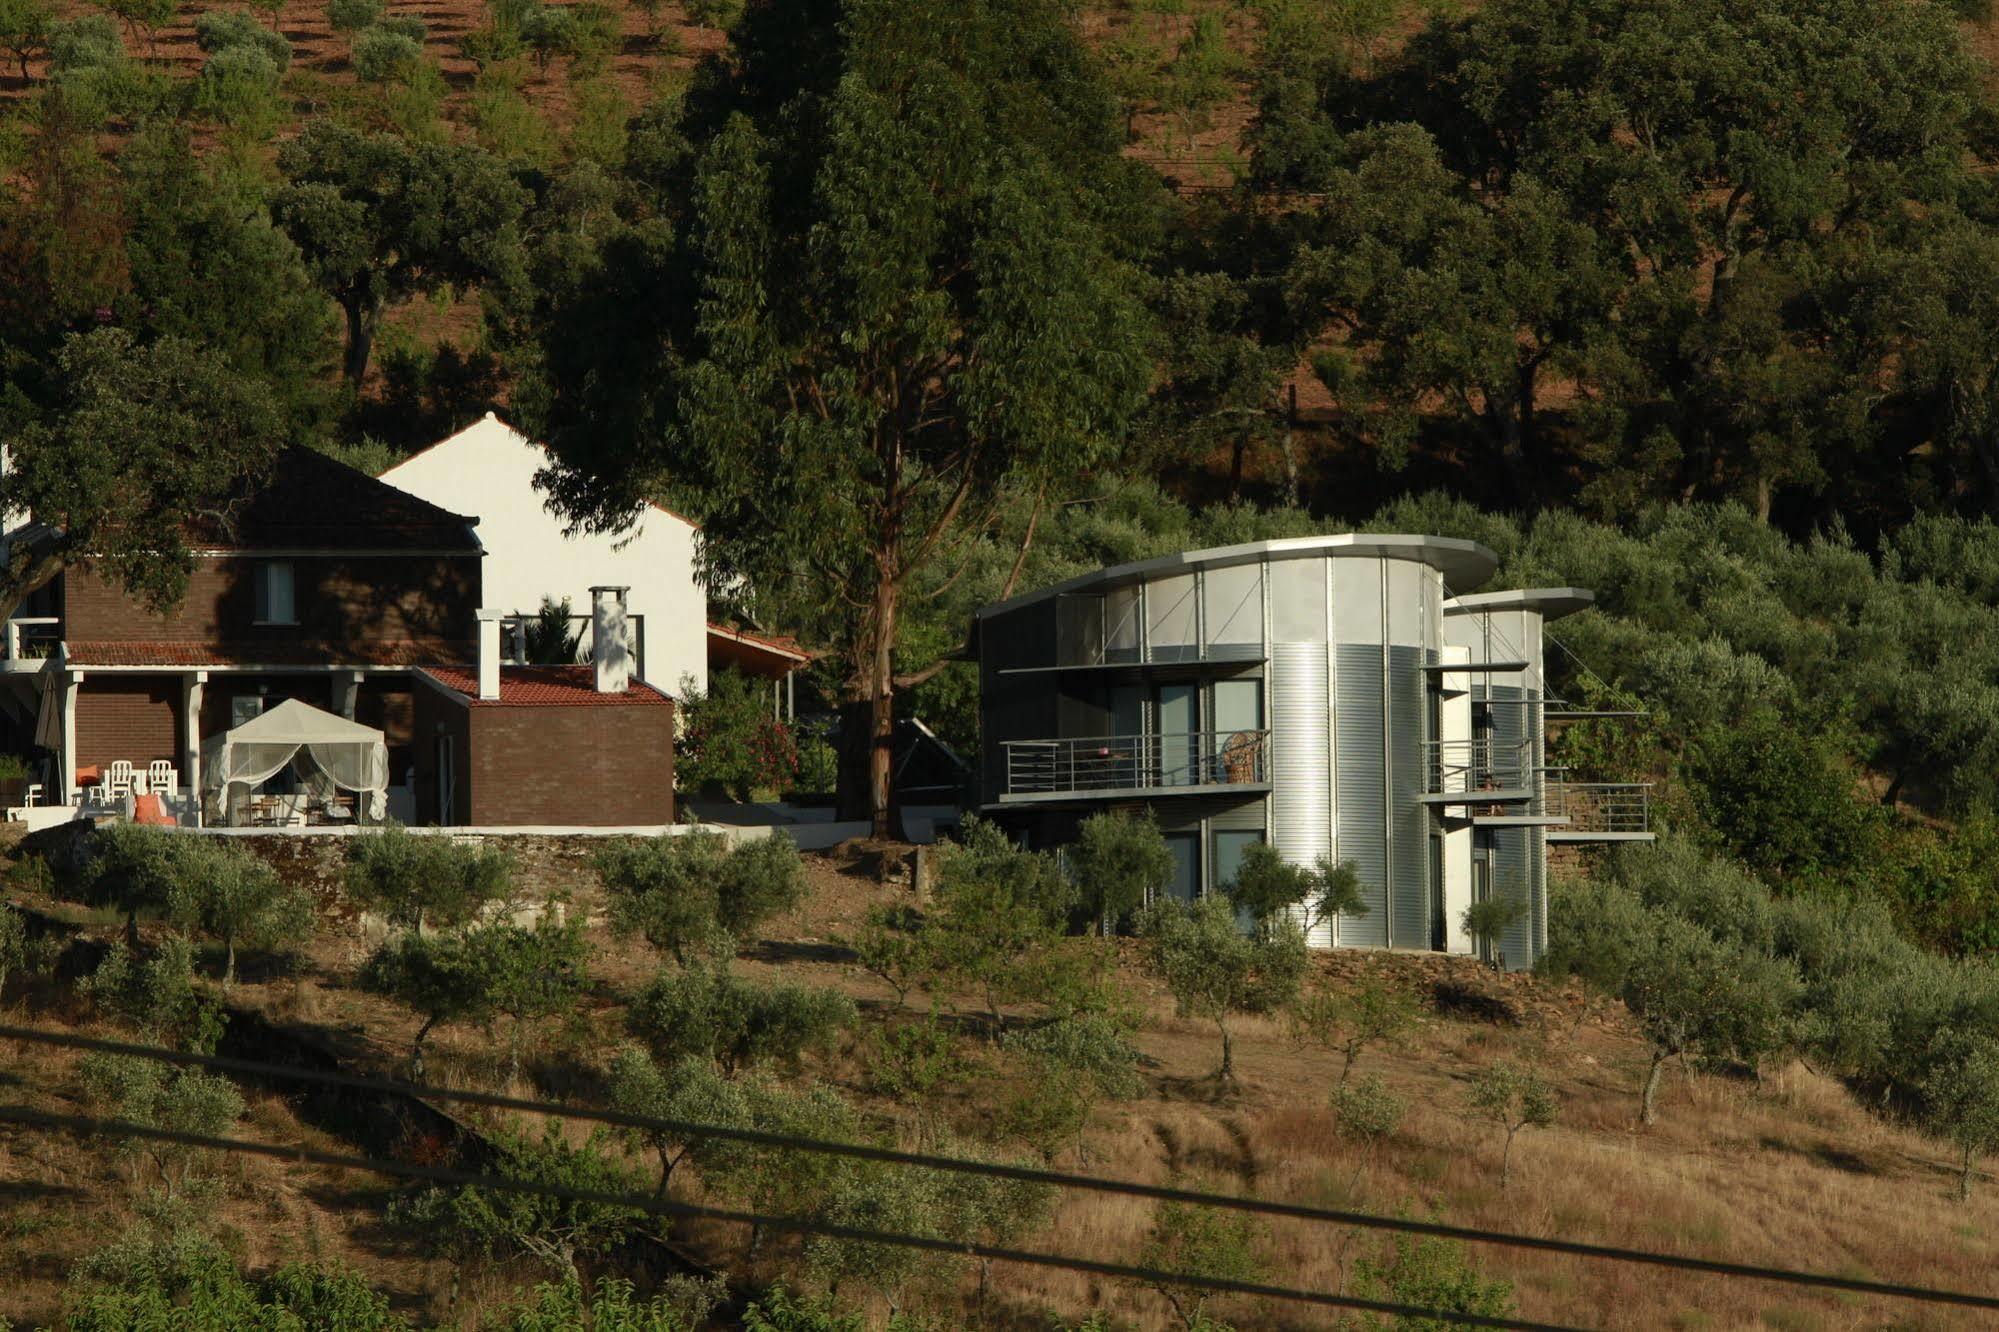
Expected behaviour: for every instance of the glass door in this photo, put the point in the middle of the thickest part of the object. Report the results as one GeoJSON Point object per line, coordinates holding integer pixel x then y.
{"type": "Point", "coordinates": [1229, 848]}
{"type": "Point", "coordinates": [1179, 712]}
{"type": "Point", "coordinates": [1238, 740]}
{"type": "Point", "coordinates": [1126, 718]}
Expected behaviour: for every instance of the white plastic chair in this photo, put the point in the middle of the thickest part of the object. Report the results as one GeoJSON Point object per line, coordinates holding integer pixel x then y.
{"type": "Point", "coordinates": [161, 777]}
{"type": "Point", "coordinates": [118, 781]}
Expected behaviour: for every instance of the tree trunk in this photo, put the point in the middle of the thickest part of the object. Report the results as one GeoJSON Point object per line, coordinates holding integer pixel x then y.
{"type": "Point", "coordinates": [881, 698]}
{"type": "Point", "coordinates": [416, 1049]}
{"type": "Point", "coordinates": [1894, 791]}
{"type": "Point", "coordinates": [1763, 489]}
{"type": "Point", "coordinates": [1227, 1073]}
{"type": "Point", "coordinates": [229, 962]}
{"type": "Point", "coordinates": [1964, 1177]}
{"type": "Point", "coordinates": [1506, 1161]}
{"type": "Point", "coordinates": [1647, 1113]}
{"type": "Point", "coordinates": [1236, 453]}
{"type": "Point", "coordinates": [360, 342]}
{"type": "Point", "coordinates": [1292, 488]}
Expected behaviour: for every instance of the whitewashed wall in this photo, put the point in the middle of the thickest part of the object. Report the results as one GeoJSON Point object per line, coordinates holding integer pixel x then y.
{"type": "Point", "coordinates": [487, 471]}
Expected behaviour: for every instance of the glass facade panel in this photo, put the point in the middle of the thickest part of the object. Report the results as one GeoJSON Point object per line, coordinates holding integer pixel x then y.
{"type": "Point", "coordinates": [1121, 636]}
{"type": "Point", "coordinates": [1172, 619]}
{"type": "Point", "coordinates": [1079, 630]}
{"type": "Point", "coordinates": [1238, 705]}
{"type": "Point", "coordinates": [1234, 610]}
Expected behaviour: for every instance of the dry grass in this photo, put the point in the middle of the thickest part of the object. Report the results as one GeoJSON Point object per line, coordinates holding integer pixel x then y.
{"type": "Point", "coordinates": [1791, 1172]}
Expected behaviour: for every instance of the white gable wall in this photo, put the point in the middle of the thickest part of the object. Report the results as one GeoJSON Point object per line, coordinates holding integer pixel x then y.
{"type": "Point", "coordinates": [487, 470]}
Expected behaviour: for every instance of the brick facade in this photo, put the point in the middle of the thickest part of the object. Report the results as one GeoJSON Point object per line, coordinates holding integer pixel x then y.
{"type": "Point", "coordinates": [342, 599]}
{"type": "Point", "coordinates": [135, 718]}
{"type": "Point", "coordinates": [592, 766]}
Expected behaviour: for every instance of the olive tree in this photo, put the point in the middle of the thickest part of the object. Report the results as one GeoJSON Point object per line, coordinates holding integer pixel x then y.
{"type": "Point", "coordinates": [153, 1095]}
{"type": "Point", "coordinates": [554, 1229]}
{"type": "Point", "coordinates": [1514, 1098]}
{"type": "Point", "coordinates": [441, 978]}
{"type": "Point", "coordinates": [693, 894]}
{"type": "Point", "coordinates": [228, 894]}
{"type": "Point", "coordinates": [707, 1012]}
{"type": "Point", "coordinates": [1961, 1101]}
{"type": "Point", "coordinates": [1216, 971]}
{"type": "Point", "coordinates": [1268, 886]}
{"type": "Point", "coordinates": [13, 943]}
{"type": "Point", "coordinates": [533, 973]}
{"type": "Point", "coordinates": [688, 1090]}
{"type": "Point", "coordinates": [999, 917]}
{"type": "Point", "coordinates": [1349, 1022]}
{"type": "Point", "coordinates": [413, 881]}
{"type": "Point", "coordinates": [1693, 994]}
{"type": "Point", "coordinates": [1118, 862]}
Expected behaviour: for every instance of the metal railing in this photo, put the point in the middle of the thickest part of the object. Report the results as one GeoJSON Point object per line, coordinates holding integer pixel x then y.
{"type": "Point", "coordinates": [1467, 767]}
{"type": "Point", "coordinates": [514, 630]}
{"type": "Point", "coordinates": [1137, 762]}
{"type": "Point", "coordinates": [1602, 807]}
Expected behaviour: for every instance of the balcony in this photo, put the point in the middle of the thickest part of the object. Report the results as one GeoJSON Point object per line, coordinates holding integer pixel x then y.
{"type": "Point", "coordinates": [1600, 811]}
{"type": "Point", "coordinates": [31, 640]}
{"type": "Point", "coordinates": [1481, 772]}
{"type": "Point", "coordinates": [1203, 762]}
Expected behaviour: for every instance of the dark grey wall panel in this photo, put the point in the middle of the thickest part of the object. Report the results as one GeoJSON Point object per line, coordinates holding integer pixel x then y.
{"type": "Point", "coordinates": [1409, 820]}
{"type": "Point", "coordinates": [1360, 795]}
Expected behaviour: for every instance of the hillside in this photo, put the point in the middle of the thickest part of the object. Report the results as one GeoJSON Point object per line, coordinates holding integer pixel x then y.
{"type": "Point", "coordinates": [1787, 1169]}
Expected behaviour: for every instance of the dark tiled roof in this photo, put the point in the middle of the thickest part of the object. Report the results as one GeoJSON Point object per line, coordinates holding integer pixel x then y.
{"type": "Point", "coordinates": [308, 501]}
{"type": "Point", "coordinates": [544, 687]}
{"type": "Point", "coordinates": [394, 652]}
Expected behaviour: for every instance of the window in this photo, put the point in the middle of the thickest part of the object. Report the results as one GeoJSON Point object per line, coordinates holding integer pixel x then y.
{"type": "Point", "coordinates": [1229, 847]}
{"type": "Point", "coordinates": [274, 592]}
{"type": "Point", "coordinates": [1186, 881]}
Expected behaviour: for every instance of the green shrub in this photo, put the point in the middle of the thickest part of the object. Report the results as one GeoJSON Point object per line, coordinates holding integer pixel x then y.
{"type": "Point", "coordinates": [555, 1231]}
{"type": "Point", "coordinates": [731, 740]}
{"type": "Point", "coordinates": [693, 894]}
{"type": "Point", "coordinates": [382, 56]}
{"type": "Point", "coordinates": [413, 881]}
{"type": "Point", "coordinates": [224, 892]}
{"type": "Point", "coordinates": [1366, 1110]}
{"type": "Point", "coordinates": [709, 1013]}
{"type": "Point", "coordinates": [1119, 863]}
{"type": "Point", "coordinates": [353, 16]}
{"type": "Point", "coordinates": [221, 29]}
{"type": "Point", "coordinates": [1215, 971]}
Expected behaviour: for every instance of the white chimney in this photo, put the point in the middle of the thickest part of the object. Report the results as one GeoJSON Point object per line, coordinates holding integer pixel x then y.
{"type": "Point", "coordinates": [610, 646]}
{"type": "Point", "coordinates": [489, 653]}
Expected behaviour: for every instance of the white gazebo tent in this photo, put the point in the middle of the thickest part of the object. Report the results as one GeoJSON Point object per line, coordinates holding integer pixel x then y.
{"type": "Point", "coordinates": [351, 756]}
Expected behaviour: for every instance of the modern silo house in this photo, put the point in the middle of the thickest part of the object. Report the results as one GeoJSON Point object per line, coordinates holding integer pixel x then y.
{"type": "Point", "coordinates": [1334, 696]}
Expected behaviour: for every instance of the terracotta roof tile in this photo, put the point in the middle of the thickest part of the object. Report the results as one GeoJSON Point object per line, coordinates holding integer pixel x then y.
{"type": "Point", "coordinates": [782, 644]}
{"type": "Point", "coordinates": [544, 687]}
{"type": "Point", "coordinates": [143, 652]}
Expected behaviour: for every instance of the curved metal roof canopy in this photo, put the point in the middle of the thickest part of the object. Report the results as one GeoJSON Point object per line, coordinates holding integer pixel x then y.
{"type": "Point", "coordinates": [1464, 564]}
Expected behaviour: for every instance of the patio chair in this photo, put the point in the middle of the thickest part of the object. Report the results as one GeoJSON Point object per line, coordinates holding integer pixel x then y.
{"type": "Point", "coordinates": [119, 779]}
{"type": "Point", "coordinates": [161, 779]}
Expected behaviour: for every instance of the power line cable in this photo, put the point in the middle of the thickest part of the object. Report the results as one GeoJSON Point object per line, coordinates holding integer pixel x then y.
{"type": "Point", "coordinates": [1018, 1173]}
{"type": "Point", "coordinates": [88, 1126]}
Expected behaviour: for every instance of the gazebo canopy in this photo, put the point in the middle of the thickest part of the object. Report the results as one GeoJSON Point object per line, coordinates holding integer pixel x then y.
{"type": "Point", "coordinates": [352, 756]}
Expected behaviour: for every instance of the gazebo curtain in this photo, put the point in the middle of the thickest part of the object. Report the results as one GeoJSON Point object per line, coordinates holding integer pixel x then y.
{"type": "Point", "coordinates": [350, 756]}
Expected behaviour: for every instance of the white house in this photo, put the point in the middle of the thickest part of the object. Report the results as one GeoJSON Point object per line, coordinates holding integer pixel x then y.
{"type": "Point", "coordinates": [488, 468]}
